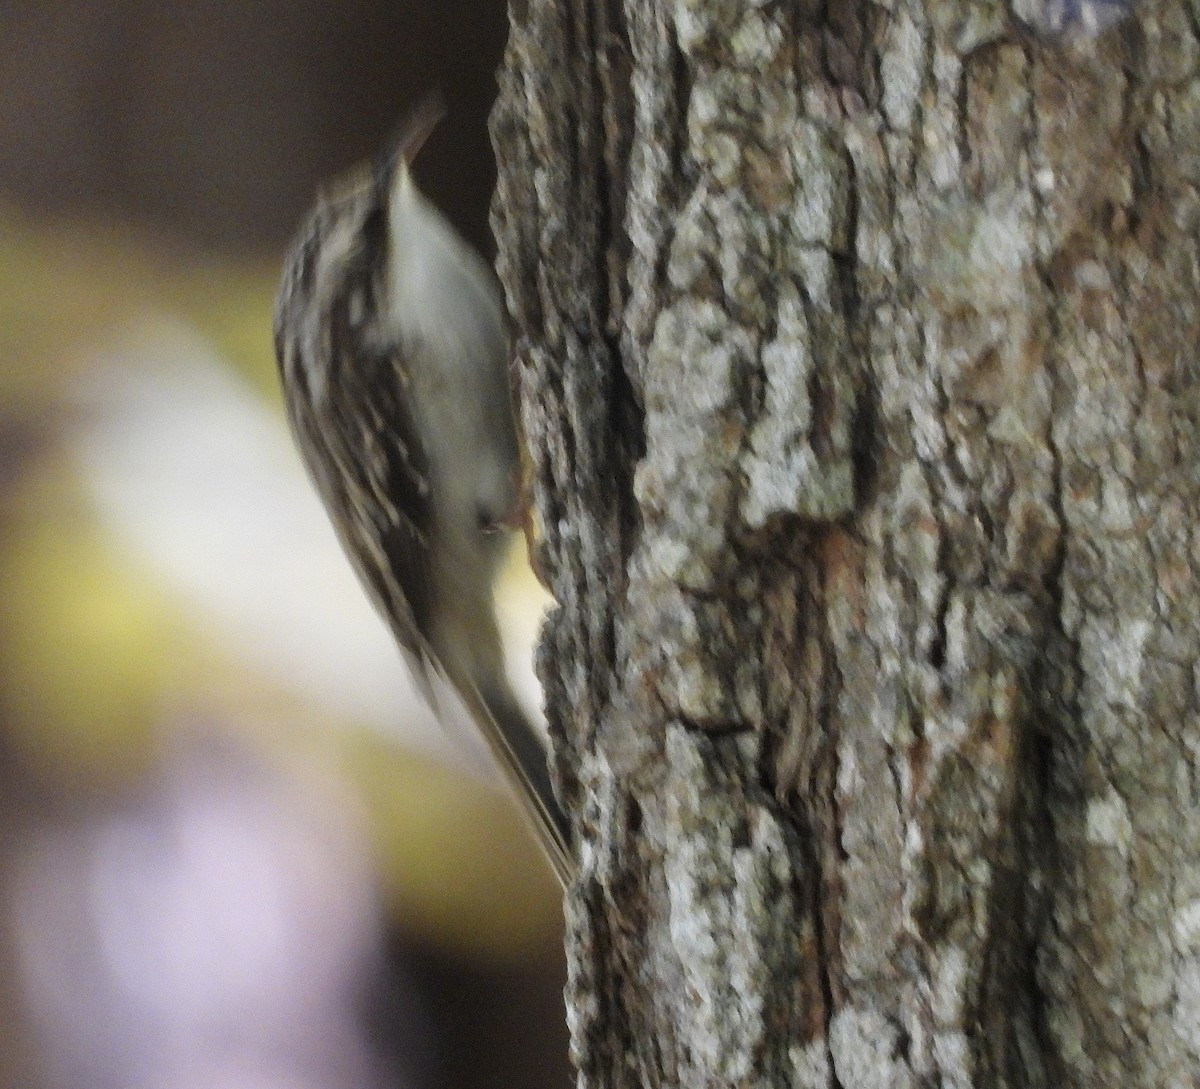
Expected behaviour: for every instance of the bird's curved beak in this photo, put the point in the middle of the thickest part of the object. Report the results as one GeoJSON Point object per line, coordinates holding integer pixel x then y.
{"type": "Point", "coordinates": [417, 126]}
{"type": "Point", "coordinates": [409, 138]}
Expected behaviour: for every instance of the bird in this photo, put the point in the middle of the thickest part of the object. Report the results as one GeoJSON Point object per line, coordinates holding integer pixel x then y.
{"type": "Point", "coordinates": [393, 356]}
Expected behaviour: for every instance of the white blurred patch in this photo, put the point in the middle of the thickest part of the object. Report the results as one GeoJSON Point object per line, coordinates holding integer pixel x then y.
{"type": "Point", "coordinates": [200, 480]}
{"type": "Point", "coordinates": [1077, 19]}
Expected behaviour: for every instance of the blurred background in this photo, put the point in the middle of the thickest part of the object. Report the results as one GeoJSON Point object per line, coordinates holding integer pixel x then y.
{"type": "Point", "coordinates": [235, 850]}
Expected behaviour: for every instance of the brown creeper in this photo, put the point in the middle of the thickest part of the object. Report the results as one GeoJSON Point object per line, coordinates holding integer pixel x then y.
{"type": "Point", "coordinates": [390, 339]}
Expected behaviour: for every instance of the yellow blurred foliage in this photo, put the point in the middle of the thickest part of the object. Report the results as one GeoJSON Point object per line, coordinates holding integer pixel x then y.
{"type": "Point", "coordinates": [90, 649]}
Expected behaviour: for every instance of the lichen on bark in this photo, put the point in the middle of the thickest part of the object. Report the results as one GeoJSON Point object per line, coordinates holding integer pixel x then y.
{"type": "Point", "coordinates": [857, 347]}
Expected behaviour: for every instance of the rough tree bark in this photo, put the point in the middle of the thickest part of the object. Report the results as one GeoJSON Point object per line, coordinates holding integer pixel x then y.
{"type": "Point", "coordinates": [858, 352]}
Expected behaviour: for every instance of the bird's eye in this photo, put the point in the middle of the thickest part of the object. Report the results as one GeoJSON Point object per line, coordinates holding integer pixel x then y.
{"type": "Point", "coordinates": [485, 519]}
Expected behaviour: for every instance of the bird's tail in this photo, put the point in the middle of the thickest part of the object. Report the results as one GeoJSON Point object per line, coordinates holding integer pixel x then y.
{"type": "Point", "coordinates": [519, 751]}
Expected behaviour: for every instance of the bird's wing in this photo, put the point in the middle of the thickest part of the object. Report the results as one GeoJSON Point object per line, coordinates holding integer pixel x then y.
{"type": "Point", "coordinates": [382, 488]}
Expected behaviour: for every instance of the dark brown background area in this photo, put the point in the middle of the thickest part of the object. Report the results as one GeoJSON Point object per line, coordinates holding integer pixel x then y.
{"type": "Point", "coordinates": [217, 119]}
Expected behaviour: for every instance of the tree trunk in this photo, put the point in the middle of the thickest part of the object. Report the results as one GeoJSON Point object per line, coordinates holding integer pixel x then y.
{"type": "Point", "coordinates": [858, 356]}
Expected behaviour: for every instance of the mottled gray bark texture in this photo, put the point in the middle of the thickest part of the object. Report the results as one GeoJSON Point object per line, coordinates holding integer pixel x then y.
{"type": "Point", "coordinates": [858, 356]}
